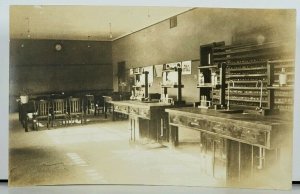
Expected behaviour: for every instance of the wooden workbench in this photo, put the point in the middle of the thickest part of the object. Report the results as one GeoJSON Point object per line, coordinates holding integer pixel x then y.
{"type": "Point", "coordinates": [236, 145]}
{"type": "Point", "coordinates": [145, 118]}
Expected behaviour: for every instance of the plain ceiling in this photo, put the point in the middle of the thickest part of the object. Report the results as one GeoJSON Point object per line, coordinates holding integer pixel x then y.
{"type": "Point", "coordinates": [84, 22]}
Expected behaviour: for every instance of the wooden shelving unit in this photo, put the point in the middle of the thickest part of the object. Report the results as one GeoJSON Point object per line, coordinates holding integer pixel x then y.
{"type": "Point", "coordinates": [283, 95]}
{"type": "Point", "coordinates": [168, 82]}
{"type": "Point", "coordinates": [250, 65]}
{"type": "Point", "coordinates": [211, 88]}
{"type": "Point", "coordinates": [140, 85]}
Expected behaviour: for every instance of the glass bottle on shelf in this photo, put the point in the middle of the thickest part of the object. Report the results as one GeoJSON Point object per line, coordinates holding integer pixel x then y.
{"type": "Point", "coordinates": [214, 79]}
{"type": "Point", "coordinates": [282, 77]}
{"type": "Point", "coordinates": [201, 79]}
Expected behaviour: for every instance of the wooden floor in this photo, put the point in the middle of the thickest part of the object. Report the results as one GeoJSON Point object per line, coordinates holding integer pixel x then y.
{"type": "Point", "coordinates": [101, 153]}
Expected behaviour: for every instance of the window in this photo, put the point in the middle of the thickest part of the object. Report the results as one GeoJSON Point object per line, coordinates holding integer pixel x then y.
{"type": "Point", "coordinates": [173, 22]}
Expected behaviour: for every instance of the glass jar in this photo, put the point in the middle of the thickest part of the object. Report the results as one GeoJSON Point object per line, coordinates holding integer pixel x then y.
{"type": "Point", "coordinates": [282, 77]}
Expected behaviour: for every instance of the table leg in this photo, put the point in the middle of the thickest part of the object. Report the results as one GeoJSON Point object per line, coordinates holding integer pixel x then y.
{"type": "Point", "coordinates": [105, 110]}
{"type": "Point", "coordinates": [113, 113]}
{"type": "Point", "coordinates": [173, 132]}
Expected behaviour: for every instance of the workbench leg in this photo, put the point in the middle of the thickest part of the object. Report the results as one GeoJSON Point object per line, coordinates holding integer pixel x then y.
{"type": "Point", "coordinates": [113, 113]}
{"type": "Point", "coordinates": [173, 132]}
{"type": "Point", "coordinates": [136, 129]}
{"type": "Point", "coordinates": [105, 109]}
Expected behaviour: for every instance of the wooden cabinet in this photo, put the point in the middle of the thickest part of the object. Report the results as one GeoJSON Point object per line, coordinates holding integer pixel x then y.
{"type": "Point", "coordinates": [244, 132]}
{"type": "Point", "coordinates": [145, 119]}
{"type": "Point", "coordinates": [235, 145]}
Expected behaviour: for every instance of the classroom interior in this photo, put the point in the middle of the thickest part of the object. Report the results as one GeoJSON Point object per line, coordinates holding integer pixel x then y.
{"type": "Point", "coordinates": [151, 96]}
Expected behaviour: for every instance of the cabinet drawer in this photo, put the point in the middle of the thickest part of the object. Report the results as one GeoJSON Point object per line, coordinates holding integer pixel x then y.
{"type": "Point", "coordinates": [144, 112]}
{"type": "Point", "coordinates": [133, 110]}
{"type": "Point", "coordinates": [230, 130]}
{"type": "Point", "coordinates": [121, 109]}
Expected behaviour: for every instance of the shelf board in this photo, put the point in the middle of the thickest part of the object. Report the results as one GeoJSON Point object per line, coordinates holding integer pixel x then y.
{"type": "Point", "coordinates": [282, 96]}
{"type": "Point", "coordinates": [169, 70]}
{"type": "Point", "coordinates": [246, 100]}
{"type": "Point", "coordinates": [250, 82]}
{"type": "Point", "coordinates": [243, 106]}
{"type": "Point", "coordinates": [249, 75]}
{"type": "Point", "coordinates": [247, 69]}
{"type": "Point", "coordinates": [208, 85]}
{"type": "Point", "coordinates": [247, 49]}
{"type": "Point", "coordinates": [137, 73]}
{"type": "Point", "coordinates": [291, 82]}
{"type": "Point", "coordinates": [171, 86]}
{"type": "Point", "coordinates": [140, 86]}
{"type": "Point", "coordinates": [281, 87]}
{"type": "Point", "coordinates": [245, 88]}
{"type": "Point", "coordinates": [250, 56]}
{"type": "Point", "coordinates": [285, 103]}
{"type": "Point", "coordinates": [287, 73]}
{"type": "Point", "coordinates": [283, 66]}
{"type": "Point", "coordinates": [249, 45]}
{"type": "Point", "coordinates": [282, 61]}
{"type": "Point", "coordinates": [247, 63]}
{"type": "Point", "coordinates": [241, 94]}
{"type": "Point", "coordinates": [208, 67]}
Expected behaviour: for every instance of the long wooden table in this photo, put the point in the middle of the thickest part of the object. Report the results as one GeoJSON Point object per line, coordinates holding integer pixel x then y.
{"type": "Point", "coordinates": [145, 118]}
{"type": "Point", "coordinates": [238, 145]}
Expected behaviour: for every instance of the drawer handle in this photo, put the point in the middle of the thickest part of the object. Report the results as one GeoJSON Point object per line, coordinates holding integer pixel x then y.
{"type": "Point", "coordinates": [194, 124]}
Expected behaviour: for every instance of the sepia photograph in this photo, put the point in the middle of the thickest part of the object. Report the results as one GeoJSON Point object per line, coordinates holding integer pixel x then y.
{"type": "Point", "coordinates": [149, 95]}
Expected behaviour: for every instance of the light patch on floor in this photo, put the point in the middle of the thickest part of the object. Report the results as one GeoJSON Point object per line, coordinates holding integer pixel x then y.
{"type": "Point", "coordinates": [76, 158]}
{"type": "Point", "coordinates": [85, 133]}
{"type": "Point", "coordinates": [89, 173]}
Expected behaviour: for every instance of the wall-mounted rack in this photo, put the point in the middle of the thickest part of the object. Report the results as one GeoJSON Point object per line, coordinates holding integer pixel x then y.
{"type": "Point", "coordinates": [255, 71]}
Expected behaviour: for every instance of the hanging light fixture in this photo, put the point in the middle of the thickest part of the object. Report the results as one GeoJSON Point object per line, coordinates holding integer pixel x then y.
{"type": "Point", "coordinates": [89, 42]}
{"type": "Point", "coordinates": [28, 27]}
{"type": "Point", "coordinates": [110, 33]}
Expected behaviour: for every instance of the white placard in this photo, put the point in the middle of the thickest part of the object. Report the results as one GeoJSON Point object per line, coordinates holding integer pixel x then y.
{"type": "Point", "coordinates": [158, 70]}
{"type": "Point", "coordinates": [186, 67]}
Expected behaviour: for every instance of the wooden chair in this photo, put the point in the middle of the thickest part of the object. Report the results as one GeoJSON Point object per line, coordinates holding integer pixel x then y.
{"type": "Point", "coordinates": [59, 107]}
{"type": "Point", "coordinates": [90, 104]}
{"type": "Point", "coordinates": [26, 113]}
{"type": "Point", "coordinates": [75, 109]}
{"type": "Point", "coordinates": [42, 113]}
{"type": "Point", "coordinates": [99, 105]}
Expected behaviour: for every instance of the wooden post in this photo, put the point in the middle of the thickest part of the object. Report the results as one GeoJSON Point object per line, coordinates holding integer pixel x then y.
{"type": "Point", "coordinates": [146, 85]}
{"type": "Point", "coordinates": [179, 91]}
{"type": "Point", "coordinates": [222, 83]}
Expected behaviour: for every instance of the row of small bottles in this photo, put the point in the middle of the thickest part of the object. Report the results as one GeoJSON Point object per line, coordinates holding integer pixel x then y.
{"type": "Point", "coordinates": [284, 93]}
{"type": "Point", "coordinates": [284, 107]}
{"type": "Point", "coordinates": [204, 101]}
{"type": "Point", "coordinates": [284, 100]}
{"type": "Point", "coordinates": [244, 103]}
